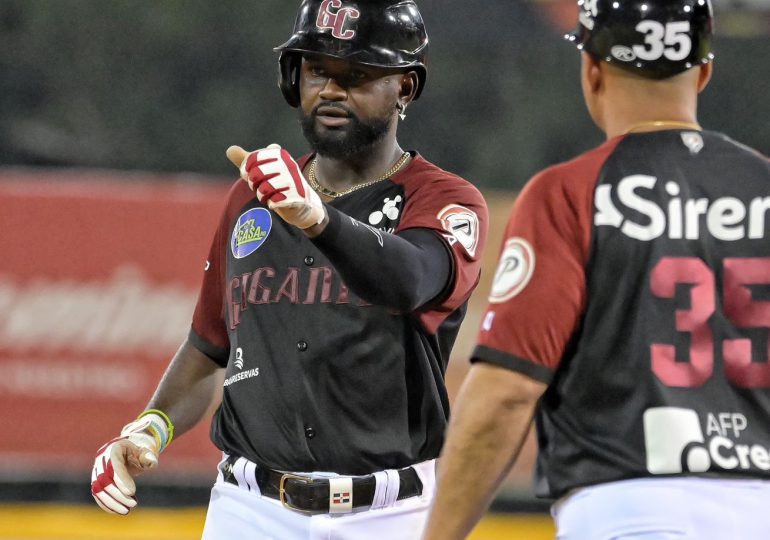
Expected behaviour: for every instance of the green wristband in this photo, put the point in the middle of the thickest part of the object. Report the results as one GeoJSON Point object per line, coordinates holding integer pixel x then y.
{"type": "Point", "coordinates": [166, 437]}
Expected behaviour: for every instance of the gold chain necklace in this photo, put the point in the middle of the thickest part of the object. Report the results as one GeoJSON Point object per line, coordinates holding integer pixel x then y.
{"type": "Point", "coordinates": [664, 124]}
{"type": "Point", "coordinates": [334, 194]}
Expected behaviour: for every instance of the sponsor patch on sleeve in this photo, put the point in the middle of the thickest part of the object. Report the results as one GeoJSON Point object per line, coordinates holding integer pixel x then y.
{"type": "Point", "coordinates": [250, 232]}
{"type": "Point", "coordinates": [462, 225]}
{"type": "Point", "coordinates": [517, 263]}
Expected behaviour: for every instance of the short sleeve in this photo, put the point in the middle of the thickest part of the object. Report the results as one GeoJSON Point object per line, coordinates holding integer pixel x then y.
{"type": "Point", "coordinates": [456, 211]}
{"type": "Point", "coordinates": [538, 293]}
{"type": "Point", "coordinates": [208, 333]}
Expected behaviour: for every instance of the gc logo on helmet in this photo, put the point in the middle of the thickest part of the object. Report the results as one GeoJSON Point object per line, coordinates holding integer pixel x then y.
{"type": "Point", "coordinates": [652, 38]}
{"type": "Point", "coordinates": [379, 33]}
{"type": "Point", "coordinates": [335, 20]}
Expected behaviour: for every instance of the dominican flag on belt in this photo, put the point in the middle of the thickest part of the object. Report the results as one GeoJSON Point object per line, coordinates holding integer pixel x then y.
{"type": "Point", "coordinates": [341, 498]}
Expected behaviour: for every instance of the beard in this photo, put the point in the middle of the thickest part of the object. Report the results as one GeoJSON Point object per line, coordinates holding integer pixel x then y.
{"type": "Point", "coordinates": [343, 143]}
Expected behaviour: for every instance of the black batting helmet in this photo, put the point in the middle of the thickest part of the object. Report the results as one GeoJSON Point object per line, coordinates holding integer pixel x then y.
{"type": "Point", "coordinates": [654, 38]}
{"type": "Point", "coordinates": [384, 33]}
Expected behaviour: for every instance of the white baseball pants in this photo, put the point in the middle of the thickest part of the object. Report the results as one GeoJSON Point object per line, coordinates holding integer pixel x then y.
{"type": "Point", "coordinates": [681, 508]}
{"type": "Point", "coordinates": [236, 513]}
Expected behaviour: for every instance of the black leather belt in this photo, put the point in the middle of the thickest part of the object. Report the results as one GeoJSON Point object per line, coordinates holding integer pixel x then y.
{"type": "Point", "coordinates": [312, 496]}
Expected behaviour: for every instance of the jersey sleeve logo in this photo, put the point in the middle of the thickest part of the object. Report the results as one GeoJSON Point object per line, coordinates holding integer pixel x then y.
{"type": "Point", "coordinates": [516, 266]}
{"type": "Point", "coordinates": [250, 231]}
{"type": "Point", "coordinates": [463, 226]}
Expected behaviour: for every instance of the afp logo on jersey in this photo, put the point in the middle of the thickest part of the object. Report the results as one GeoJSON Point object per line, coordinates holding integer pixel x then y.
{"type": "Point", "coordinates": [675, 442]}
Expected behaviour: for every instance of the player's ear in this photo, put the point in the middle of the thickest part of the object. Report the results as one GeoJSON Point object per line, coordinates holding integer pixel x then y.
{"type": "Point", "coordinates": [408, 87]}
{"type": "Point", "coordinates": [704, 76]}
{"type": "Point", "coordinates": [591, 73]}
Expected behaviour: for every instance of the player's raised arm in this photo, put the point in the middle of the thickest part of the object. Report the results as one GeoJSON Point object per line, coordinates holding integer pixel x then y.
{"type": "Point", "coordinates": [419, 261]}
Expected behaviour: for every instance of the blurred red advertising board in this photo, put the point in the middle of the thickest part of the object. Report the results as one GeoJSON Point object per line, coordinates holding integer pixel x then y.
{"type": "Point", "coordinates": [99, 274]}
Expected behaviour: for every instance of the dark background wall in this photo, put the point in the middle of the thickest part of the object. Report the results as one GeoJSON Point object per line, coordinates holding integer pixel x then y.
{"type": "Point", "coordinates": [168, 85]}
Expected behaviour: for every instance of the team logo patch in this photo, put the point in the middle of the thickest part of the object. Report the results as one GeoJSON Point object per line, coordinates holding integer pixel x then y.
{"type": "Point", "coordinates": [333, 16]}
{"type": "Point", "coordinates": [250, 232]}
{"type": "Point", "coordinates": [463, 226]}
{"type": "Point", "coordinates": [517, 263]}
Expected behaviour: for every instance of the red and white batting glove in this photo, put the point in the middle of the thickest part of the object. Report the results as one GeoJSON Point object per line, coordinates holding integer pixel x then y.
{"type": "Point", "coordinates": [278, 182]}
{"type": "Point", "coordinates": [117, 462]}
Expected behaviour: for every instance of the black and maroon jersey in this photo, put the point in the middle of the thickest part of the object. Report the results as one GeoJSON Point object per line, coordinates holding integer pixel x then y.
{"type": "Point", "coordinates": [635, 281]}
{"type": "Point", "coordinates": [317, 379]}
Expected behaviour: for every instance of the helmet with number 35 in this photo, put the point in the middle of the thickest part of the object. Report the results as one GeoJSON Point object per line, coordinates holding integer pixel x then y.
{"type": "Point", "coordinates": [653, 38]}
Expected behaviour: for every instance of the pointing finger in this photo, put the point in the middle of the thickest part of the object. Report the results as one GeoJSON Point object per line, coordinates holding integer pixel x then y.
{"type": "Point", "coordinates": [236, 155]}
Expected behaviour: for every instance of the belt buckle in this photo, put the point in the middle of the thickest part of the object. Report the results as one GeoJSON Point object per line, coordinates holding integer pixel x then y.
{"type": "Point", "coordinates": [282, 491]}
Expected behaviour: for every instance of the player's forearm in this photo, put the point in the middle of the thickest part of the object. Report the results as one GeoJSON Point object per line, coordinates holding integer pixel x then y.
{"type": "Point", "coordinates": [188, 388]}
{"type": "Point", "coordinates": [399, 272]}
{"type": "Point", "coordinates": [490, 421]}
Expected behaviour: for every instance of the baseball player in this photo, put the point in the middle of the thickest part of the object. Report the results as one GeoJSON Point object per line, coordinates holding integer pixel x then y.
{"type": "Point", "coordinates": [629, 312]}
{"type": "Point", "coordinates": [332, 296]}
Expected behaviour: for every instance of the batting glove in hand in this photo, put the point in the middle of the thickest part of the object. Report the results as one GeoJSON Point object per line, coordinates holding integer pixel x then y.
{"type": "Point", "coordinates": [278, 182]}
{"type": "Point", "coordinates": [117, 462]}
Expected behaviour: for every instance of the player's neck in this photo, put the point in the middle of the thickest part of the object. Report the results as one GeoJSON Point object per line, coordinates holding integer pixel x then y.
{"type": "Point", "coordinates": [633, 106]}
{"type": "Point", "coordinates": [341, 174]}
{"type": "Point", "coordinates": [650, 122]}
{"type": "Point", "coordinates": [657, 125]}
